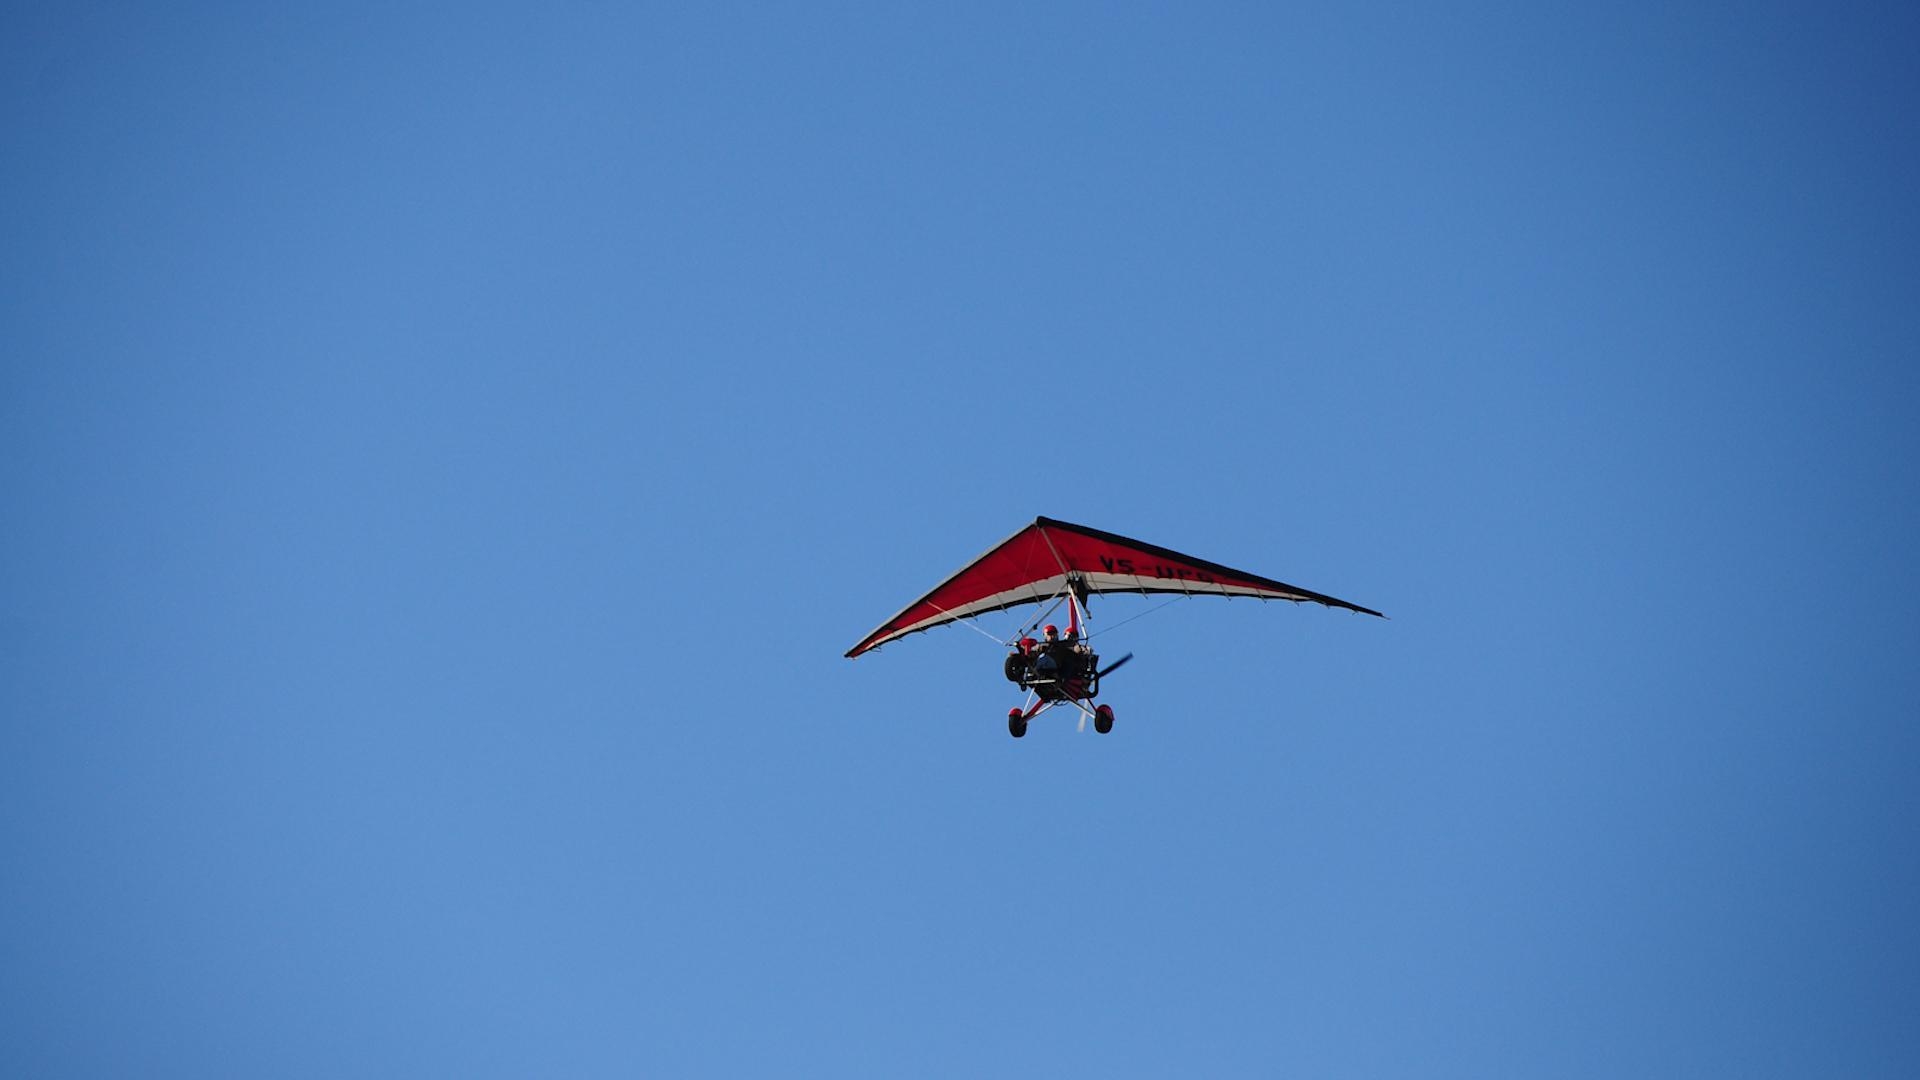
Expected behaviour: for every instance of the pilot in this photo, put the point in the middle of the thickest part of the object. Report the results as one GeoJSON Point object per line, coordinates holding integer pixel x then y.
{"type": "Point", "coordinates": [1048, 664]}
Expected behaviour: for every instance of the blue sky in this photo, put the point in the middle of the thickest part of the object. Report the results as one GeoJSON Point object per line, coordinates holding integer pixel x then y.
{"type": "Point", "coordinates": [449, 448]}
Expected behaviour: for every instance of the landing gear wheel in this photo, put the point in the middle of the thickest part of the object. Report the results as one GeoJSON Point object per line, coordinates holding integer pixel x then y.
{"type": "Point", "coordinates": [1016, 668]}
{"type": "Point", "coordinates": [1103, 719]}
{"type": "Point", "coordinates": [1017, 726]}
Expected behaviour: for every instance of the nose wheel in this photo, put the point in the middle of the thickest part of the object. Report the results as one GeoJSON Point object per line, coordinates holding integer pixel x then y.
{"type": "Point", "coordinates": [1017, 723]}
{"type": "Point", "coordinates": [1103, 719]}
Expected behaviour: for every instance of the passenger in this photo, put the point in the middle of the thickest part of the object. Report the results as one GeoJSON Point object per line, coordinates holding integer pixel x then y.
{"type": "Point", "coordinates": [1073, 653]}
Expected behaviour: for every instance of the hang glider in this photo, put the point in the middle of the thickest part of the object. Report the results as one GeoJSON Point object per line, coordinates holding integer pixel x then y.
{"type": "Point", "coordinates": [1050, 558]}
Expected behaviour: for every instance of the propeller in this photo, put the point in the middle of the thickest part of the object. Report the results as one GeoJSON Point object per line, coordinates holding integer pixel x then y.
{"type": "Point", "coordinates": [1101, 674]}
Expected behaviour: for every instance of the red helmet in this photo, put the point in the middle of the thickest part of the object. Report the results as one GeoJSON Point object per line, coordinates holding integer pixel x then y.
{"type": "Point", "coordinates": [1052, 630]}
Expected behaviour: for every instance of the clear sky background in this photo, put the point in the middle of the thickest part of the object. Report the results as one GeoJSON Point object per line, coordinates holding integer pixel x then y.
{"type": "Point", "coordinates": [448, 448]}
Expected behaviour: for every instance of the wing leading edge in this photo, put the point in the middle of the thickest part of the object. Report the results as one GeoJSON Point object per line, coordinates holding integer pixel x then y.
{"type": "Point", "coordinates": [1033, 565]}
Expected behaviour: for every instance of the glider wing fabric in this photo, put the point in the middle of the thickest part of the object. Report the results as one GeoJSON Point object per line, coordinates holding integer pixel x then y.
{"type": "Point", "coordinates": [1034, 565]}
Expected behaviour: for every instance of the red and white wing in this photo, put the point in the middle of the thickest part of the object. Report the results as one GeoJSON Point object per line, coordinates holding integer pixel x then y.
{"type": "Point", "coordinates": [1033, 566]}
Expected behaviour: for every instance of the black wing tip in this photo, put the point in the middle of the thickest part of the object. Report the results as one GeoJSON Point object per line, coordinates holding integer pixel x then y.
{"type": "Point", "coordinates": [1344, 605]}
